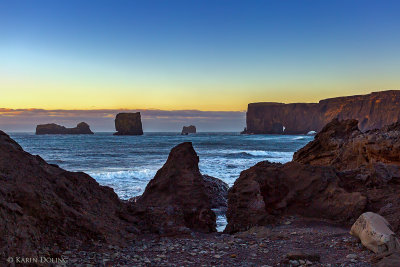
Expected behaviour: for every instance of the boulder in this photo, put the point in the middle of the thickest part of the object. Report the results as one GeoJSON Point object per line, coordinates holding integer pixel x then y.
{"type": "Point", "coordinates": [375, 233]}
{"type": "Point", "coordinates": [52, 128]}
{"type": "Point", "coordinates": [177, 199]}
{"type": "Point", "coordinates": [188, 130]}
{"type": "Point", "coordinates": [128, 124]}
{"type": "Point", "coordinates": [267, 191]}
{"type": "Point", "coordinates": [42, 205]}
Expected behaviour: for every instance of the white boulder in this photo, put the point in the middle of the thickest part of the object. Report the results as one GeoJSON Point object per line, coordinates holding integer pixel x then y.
{"type": "Point", "coordinates": [375, 233]}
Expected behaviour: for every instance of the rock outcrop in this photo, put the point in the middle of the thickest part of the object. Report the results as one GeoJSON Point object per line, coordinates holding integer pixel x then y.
{"type": "Point", "coordinates": [217, 191]}
{"type": "Point", "coordinates": [128, 124]}
{"type": "Point", "coordinates": [52, 128]}
{"type": "Point", "coordinates": [188, 130]}
{"type": "Point", "coordinates": [177, 199]}
{"type": "Point", "coordinates": [362, 168]}
{"type": "Point", "coordinates": [368, 163]}
{"type": "Point", "coordinates": [342, 145]}
{"type": "Point", "coordinates": [375, 233]}
{"type": "Point", "coordinates": [42, 205]}
{"type": "Point", "coordinates": [374, 110]}
{"type": "Point", "coordinates": [269, 190]}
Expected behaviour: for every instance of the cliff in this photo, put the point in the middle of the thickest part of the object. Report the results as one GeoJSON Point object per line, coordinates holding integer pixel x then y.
{"type": "Point", "coordinates": [128, 124]}
{"type": "Point", "coordinates": [189, 129]}
{"type": "Point", "coordinates": [52, 128]}
{"type": "Point", "coordinates": [374, 110]}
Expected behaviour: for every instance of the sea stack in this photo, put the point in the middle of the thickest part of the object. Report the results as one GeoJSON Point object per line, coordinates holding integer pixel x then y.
{"type": "Point", "coordinates": [52, 128]}
{"type": "Point", "coordinates": [128, 124]}
{"type": "Point", "coordinates": [188, 130]}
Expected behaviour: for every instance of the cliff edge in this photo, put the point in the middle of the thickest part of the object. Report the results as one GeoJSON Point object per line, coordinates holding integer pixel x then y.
{"type": "Point", "coordinates": [373, 111]}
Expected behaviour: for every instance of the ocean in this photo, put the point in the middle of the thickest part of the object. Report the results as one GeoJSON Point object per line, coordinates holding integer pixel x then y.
{"type": "Point", "coordinates": [127, 163]}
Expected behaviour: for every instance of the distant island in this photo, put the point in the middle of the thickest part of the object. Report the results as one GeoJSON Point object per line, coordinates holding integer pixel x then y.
{"type": "Point", "coordinates": [128, 124]}
{"type": "Point", "coordinates": [188, 130]}
{"type": "Point", "coordinates": [52, 128]}
{"type": "Point", "coordinates": [373, 111]}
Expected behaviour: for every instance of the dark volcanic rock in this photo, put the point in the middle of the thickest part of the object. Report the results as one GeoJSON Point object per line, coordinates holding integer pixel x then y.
{"type": "Point", "coordinates": [342, 145]}
{"type": "Point", "coordinates": [374, 110]}
{"type": "Point", "coordinates": [189, 129]}
{"type": "Point", "coordinates": [269, 190]}
{"type": "Point", "coordinates": [42, 205]}
{"type": "Point", "coordinates": [217, 191]}
{"type": "Point", "coordinates": [52, 128]}
{"type": "Point", "coordinates": [177, 198]}
{"type": "Point", "coordinates": [128, 124]}
{"type": "Point", "coordinates": [368, 163]}
{"type": "Point", "coordinates": [390, 260]}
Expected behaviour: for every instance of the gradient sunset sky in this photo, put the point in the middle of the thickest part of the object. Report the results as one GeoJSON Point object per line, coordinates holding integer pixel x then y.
{"type": "Point", "coordinates": [206, 55]}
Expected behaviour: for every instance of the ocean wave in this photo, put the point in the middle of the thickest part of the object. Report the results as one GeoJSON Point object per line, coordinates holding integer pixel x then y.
{"type": "Point", "coordinates": [141, 174]}
{"type": "Point", "coordinates": [258, 153]}
{"type": "Point", "coordinates": [299, 138]}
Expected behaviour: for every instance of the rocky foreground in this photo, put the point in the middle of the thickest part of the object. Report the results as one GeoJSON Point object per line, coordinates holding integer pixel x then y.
{"type": "Point", "coordinates": [294, 241]}
{"type": "Point", "coordinates": [294, 214]}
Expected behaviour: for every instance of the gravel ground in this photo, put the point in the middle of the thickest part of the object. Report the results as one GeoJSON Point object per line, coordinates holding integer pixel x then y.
{"type": "Point", "coordinates": [294, 242]}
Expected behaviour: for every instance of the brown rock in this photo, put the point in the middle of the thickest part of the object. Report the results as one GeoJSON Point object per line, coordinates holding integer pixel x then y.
{"type": "Point", "coordinates": [375, 233]}
{"type": "Point", "coordinates": [42, 205]}
{"type": "Point", "coordinates": [268, 190]}
{"type": "Point", "coordinates": [52, 128]}
{"type": "Point", "coordinates": [128, 124]}
{"type": "Point", "coordinates": [342, 145]}
{"type": "Point", "coordinates": [368, 163]}
{"type": "Point", "coordinates": [177, 199]}
{"type": "Point", "coordinates": [374, 110]}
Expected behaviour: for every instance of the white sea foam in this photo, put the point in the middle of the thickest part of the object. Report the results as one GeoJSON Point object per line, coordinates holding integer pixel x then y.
{"type": "Point", "coordinates": [257, 153]}
{"type": "Point", "coordinates": [126, 183]}
{"type": "Point", "coordinates": [141, 174]}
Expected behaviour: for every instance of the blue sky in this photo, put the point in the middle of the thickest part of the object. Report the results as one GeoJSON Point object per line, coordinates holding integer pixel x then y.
{"type": "Point", "coordinates": [205, 55]}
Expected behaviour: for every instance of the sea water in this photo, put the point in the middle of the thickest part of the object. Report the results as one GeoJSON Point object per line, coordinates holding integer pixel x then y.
{"type": "Point", "coordinates": [127, 163]}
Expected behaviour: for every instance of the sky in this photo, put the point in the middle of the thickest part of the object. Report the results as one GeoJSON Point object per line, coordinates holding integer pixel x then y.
{"type": "Point", "coordinates": [201, 56]}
